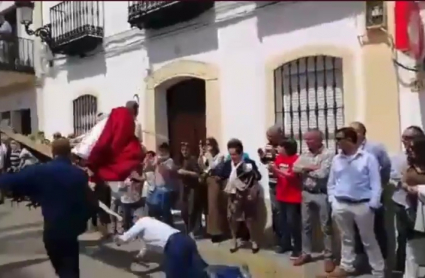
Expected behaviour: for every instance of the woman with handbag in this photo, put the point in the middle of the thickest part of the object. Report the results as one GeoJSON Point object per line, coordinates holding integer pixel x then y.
{"type": "Point", "coordinates": [243, 191]}
{"type": "Point", "coordinates": [210, 160]}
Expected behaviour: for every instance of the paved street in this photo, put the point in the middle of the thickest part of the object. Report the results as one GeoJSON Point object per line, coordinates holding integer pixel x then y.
{"type": "Point", "coordinates": [22, 254]}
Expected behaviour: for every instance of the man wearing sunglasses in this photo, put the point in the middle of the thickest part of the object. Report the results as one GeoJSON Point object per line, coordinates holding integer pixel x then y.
{"type": "Point", "coordinates": [354, 191]}
{"type": "Point", "coordinates": [381, 155]}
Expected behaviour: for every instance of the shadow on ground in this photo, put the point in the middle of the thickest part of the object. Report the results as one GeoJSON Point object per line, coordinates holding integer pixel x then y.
{"type": "Point", "coordinates": [21, 227]}
{"type": "Point", "coordinates": [122, 259]}
{"type": "Point", "coordinates": [15, 269]}
{"type": "Point", "coordinates": [28, 243]}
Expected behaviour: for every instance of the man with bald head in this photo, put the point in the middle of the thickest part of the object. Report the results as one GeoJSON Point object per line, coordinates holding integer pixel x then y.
{"type": "Point", "coordinates": [381, 155]}
{"type": "Point", "coordinates": [314, 167]}
{"type": "Point", "coordinates": [66, 202]}
{"type": "Point", "coordinates": [133, 106]}
{"type": "Point", "coordinates": [267, 155]}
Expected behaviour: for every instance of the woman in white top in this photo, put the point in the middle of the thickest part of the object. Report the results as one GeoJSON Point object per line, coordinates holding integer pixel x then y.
{"type": "Point", "coordinates": [209, 160]}
{"type": "Point", "coordinates": [181, 256]}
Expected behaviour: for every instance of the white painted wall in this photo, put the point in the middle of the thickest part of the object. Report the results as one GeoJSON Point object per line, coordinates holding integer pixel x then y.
{"type": "Point", "coordinates": [238, 38]}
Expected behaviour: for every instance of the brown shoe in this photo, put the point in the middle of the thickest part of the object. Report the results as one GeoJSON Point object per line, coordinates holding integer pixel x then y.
{"type": "Point", "coordinates": [340, 273]}
{"type": "Point", "coordinates": [303, 259]}
{"type": "Point", "coordinates": [329, 265]}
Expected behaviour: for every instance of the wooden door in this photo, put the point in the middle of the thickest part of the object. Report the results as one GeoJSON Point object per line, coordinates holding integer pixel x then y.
{"type": "Point", "coordinates": [26, 121]}
{"type": "Point", "coordinates": [186, 115]}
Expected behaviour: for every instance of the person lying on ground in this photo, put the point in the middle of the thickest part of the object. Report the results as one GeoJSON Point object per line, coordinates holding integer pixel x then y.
{"type": "Point", "coordinates": [181, 256]}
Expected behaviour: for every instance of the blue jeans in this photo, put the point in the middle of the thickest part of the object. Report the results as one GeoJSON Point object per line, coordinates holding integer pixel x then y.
{"type": "Point", "coordinates": [163, 212]}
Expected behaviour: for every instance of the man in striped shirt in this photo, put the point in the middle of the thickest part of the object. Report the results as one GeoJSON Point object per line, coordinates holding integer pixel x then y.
{"type": "Point", "coordinates": [15, 159]}
{"type": "Point", "coordinates": [267, 156]}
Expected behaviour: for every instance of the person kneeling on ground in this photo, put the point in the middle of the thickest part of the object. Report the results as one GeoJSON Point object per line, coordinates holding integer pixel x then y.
{"type": "Point", "coordinates": [181, 256]}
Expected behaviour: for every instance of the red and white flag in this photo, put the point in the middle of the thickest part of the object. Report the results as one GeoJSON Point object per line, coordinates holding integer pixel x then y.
{"type": "Point", "coordinates": [111, 149]}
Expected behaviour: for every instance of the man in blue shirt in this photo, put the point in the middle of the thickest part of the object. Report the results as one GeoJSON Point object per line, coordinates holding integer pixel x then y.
{"type": "Point", "coordinates": [381, 155]}
{"type": "Point", "coordinates": [354, 192]}
{"type": "Point", "coordinates": [66, 203]}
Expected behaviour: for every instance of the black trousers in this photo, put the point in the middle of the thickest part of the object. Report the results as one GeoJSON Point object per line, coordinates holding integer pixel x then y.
{"type": "Point", "coordinates": [403, 233]}
{"type": "Point", "coordinates": [290, 226]}
{"type": "Point", "coordinates": [380, 234]}
{"type": "Point", "coordinates": [128, 211]}
{"type": "Point", "coordinates": [275, 212]}
{"type": "Point", "coordinates": [64, 255]}
{"type": "Point", "coordinates": [103, 194]}
{"type": "Point", "coordinates": [193, 205]}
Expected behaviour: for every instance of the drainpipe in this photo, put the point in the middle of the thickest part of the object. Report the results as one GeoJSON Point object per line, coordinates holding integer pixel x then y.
{"type": "Point", "coordinates": [38, 124]}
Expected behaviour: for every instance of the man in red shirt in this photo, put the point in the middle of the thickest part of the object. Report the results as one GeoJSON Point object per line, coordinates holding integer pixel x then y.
{"type": "Point", "coordinates": [288, 196]}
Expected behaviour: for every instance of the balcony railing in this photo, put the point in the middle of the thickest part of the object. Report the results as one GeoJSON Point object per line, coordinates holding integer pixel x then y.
{"type": "Point", "coordinates": [16, 54]}
{"type": "Point", "coordinates": [159, 14]}
{"type": "Point", "coordinates": [77, 27]}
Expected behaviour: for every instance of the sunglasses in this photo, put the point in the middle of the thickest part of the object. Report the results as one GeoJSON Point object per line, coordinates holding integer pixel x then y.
{"type": "Point", "coordinates": [339, 138]}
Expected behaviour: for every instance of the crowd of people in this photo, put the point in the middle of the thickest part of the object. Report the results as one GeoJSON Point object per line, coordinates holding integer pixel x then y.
{"type": "Point", "coordinates": [345, 188]}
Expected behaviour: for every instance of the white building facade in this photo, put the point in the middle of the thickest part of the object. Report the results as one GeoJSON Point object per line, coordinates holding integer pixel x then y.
{"type": "Point", "coordinates": [19, 93]}
{"type": "Point", "coordinates": [251, 58]}
{"type": "Point", "coordinates": [228, 69]}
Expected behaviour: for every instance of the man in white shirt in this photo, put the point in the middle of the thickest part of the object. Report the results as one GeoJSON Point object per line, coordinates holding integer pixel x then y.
{"type": "Point", "coordinates": [181, 256]}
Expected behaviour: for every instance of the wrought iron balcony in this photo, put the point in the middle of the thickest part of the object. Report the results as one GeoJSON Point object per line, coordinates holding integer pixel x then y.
{"type": "Point", "coordinates": [76, 27]}
{"type": "Point", "coordinates": [16, 54]}
{"type": "Point", "coordinates": [159, 14]}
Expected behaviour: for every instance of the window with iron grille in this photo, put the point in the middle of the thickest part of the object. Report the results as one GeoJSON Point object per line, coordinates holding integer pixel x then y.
{"type": "Point", "coordinates": [84, 111]}
{"type": "Point", "coordinates": [309, 94]}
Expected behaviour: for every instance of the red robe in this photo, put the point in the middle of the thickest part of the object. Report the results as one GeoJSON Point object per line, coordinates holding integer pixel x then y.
{"type": "Point", "coordinates": [117, 152]}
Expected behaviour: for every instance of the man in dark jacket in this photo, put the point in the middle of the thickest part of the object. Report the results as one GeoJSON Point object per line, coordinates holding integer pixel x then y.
{"type": "Point", "coordinates": [66, 203]}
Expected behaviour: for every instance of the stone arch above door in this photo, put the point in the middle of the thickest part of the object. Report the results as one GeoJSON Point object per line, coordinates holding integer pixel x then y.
{"type": "Point", "coordinates": [162, 78]}
{"type": "Point", "coordinates": [349, 82]}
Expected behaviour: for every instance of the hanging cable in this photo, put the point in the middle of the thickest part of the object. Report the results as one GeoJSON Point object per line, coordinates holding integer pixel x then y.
{"type": "Point", "coordinates": [397, 63]}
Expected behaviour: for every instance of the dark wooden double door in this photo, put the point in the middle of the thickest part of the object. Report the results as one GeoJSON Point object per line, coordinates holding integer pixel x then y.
{"type": "Point", "coordinates": [186, 107]}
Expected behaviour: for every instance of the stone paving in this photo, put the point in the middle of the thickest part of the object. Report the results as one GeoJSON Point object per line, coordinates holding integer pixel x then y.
{"type": "Point", "coordinates": [22, 254]}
